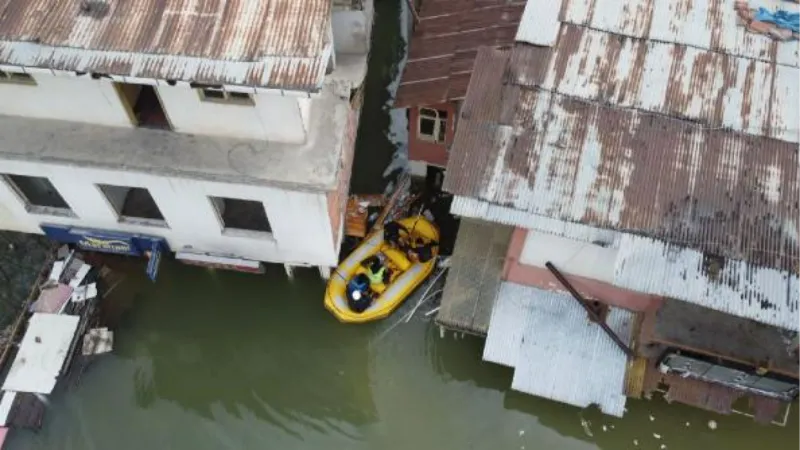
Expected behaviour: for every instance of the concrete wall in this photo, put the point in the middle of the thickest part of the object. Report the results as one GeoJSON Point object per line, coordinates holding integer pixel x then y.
{"type": "Point", "coordinates": [590, 277]}
{"type": "Point", "coordinates": [64, 97]}
{"type": "Point", "coordinates": [352, 28]}
{"type": "Point", "coordinates": [271, 117]}
{"type": "Point", "coordinates": [301, 227]}
{"type": "Point", "coordinates": [428, 152]}
{"type": "Point", "coordinates": [57, 95]}
{"type": "Point", "coordinates": [583, 259]}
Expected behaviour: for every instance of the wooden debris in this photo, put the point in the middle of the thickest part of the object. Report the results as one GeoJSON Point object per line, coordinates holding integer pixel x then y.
{"type": "Point", "coordinates": [357, 215]}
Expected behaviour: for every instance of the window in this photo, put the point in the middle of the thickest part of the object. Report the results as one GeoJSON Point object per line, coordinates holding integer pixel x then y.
{"type": "Point", "coordinates": [16, 77]}
{"type": "Point", "coordinates": [133, 205]}
{"type": "Point", "coordinates": [39, 195]}
{"type": "Point", "coordinates": [432, 125]}
{"type": "Point", "coordinates": [218, 95]}
{"type": "Point", "coordinates": [242, 217]}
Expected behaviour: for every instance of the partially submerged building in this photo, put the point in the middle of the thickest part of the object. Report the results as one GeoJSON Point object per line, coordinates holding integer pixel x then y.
{"type": "Point", "coordinates": [441, 56]}
{"type": "Point", "coordinates": [649, 154]}
{"type": "Point", "coordinates": [223, 130]}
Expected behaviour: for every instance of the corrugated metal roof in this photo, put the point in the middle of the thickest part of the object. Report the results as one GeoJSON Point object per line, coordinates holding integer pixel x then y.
{"type": "Point", "coordinates": [733, 287]}
{"type": "Point", "coordinates": [570, 159]}
{"type": "Point", "coordinates": [267, 43]}
{"type": "Point", "coordinates": [715, 89]}
{"type": "Point", "coordinates": [557, 353]}
{"type": "Point", "coordinates": [702, 24]}
{"type": "Point", "coordinates": [539, 24]}
{"type": "Point", "coordinates": [470, 207]}
{"type": "Point", "coordinates": [42, 353]}
{"type": "Point", "coordinates": [442, 48]}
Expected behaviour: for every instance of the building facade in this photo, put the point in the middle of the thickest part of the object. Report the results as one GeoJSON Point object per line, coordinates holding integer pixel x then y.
{"type": "Point", "coordinates": [441, 57]}
{"type": "Point", "coordinates": [603, 161]}
{"type": "Point", "coordinates": [229, 131]}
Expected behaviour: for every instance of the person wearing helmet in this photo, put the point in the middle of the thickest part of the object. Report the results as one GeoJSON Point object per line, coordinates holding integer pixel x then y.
{"type": "Point", "coordinates": [359, 297]}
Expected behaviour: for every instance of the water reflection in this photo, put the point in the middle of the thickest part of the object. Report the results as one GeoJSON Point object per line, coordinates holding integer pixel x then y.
{"type": "Point", "coordinates": [448, 357]}
{"type": "Point", "coordinates": [219, 339]}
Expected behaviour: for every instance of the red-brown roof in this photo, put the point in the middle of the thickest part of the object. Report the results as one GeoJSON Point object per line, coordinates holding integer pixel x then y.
{"type": "Point", "coordinates": [266, 43]}
{"type": "Point", "coordinates": [445, 42]}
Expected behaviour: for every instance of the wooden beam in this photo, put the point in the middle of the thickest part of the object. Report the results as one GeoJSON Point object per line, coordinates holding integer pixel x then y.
{"type": "Point", "coordinates": [592, 313]}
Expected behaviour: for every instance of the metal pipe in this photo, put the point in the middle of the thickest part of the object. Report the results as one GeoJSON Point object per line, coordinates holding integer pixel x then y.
{"type": "Point", "coordinates": [592, 313]}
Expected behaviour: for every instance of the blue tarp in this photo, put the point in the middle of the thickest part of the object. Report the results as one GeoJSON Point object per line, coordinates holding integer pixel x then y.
{"type": "Point", "coordinates": [781, 18]}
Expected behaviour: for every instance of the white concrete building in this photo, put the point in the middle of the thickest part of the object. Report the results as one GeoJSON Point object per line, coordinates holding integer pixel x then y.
{"type": "Point", "coordinates": [227, 128]}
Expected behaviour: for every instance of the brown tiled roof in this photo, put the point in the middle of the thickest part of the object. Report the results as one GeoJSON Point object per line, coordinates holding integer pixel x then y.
{"type": "Point", "coordinates": [578, 157]}
{"type": "Point", "coordinates": [444, 43]}
{"type": "Point", "coordinates": [270, 43]}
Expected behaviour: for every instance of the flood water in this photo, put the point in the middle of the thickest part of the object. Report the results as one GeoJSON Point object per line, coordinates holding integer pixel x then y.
{"type": "Point", "coordinates": [219, 360]}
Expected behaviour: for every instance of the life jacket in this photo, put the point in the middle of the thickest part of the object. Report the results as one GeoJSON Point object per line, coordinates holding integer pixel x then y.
{"type": "Point", "coordinates": [376, 277]}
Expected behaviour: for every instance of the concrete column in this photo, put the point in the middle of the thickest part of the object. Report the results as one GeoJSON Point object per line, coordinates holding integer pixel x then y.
{"type": "Point", "coordinates": [289, 271]}
{"type": "Point", "coordinates": [325, 272]}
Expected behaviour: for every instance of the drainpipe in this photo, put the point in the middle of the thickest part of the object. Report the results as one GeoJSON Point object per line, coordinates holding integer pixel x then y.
{"type": "Point", "coordinates": [592, 313]}
{"type": "Point", "coordinates": [413, 11]}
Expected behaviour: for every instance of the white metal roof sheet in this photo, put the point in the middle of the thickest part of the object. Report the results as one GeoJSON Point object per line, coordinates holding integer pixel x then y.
{"type": "Point", "coordinates": [42, 353]}
{"type": "Point", "coordinates": [703, 24]}
{"type": "Point", "coordinates": [557, 353]}
{"type": "Point", "coordinates": [761, 294]}
{"type": "Point", "coordinates": [539, 24]}
{"type": "Point", "coordinates": [717, 89]}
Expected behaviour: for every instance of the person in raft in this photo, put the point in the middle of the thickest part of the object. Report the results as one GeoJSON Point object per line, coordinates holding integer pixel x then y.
{"type": "Point", "coordinates": [377, 272]}
{"type": "Point", "coordinates": [359, 296]}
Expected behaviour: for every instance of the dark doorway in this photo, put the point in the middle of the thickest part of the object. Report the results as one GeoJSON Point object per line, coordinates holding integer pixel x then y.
{"type": "Point", "coordinates": [144, 106]}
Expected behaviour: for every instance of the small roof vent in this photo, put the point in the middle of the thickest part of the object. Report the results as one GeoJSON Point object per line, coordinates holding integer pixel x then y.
{"type": "Point", "coordinates": [96, 9]}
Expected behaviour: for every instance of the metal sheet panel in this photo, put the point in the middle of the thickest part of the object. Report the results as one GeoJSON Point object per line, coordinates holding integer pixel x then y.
{"type": "Point", "coordinates": [737, 288]}
{"type": "Point", "coordinates": [703, 24]}
{"type": "Point", "coordinates": [445, 42]}
{"type": "Point", "coordinates": [717, 89]}
{"type": "Point", "coordinates": [539, 24]}
{"type": "Point", "coordinates": [506, 329]}
{"type": "Point", "coordinates": [557, 353]}
{"type": "Point", "coordinates": [275, 43]}
{"type": "Point", "coordinates": [42, 353]}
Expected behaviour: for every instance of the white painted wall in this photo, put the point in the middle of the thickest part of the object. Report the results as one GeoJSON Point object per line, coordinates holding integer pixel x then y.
{"type": "Point", "coordinates": [350, 33]}
{"type": "Point", "coordinates": [273, 117]}
{"type": "Point", "coordinates": [77, 99]}
{"type": "Point", "coordinates": [301, 228]}
{"type": "Point", "coordinates": [570, 256]}
{"type": "Point", "coordinates": [352, 29]}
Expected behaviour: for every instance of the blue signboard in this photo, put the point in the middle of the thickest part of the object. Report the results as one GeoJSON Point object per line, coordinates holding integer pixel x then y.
{"type": "Point", "coordinates": [155, 260]}
{"type": "Point", "coordinates": [106, 241]}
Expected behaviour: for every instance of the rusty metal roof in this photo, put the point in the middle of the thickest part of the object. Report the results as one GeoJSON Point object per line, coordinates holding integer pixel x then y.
{"type": "Point", "coordinates": [552, 133]}
{"type": "Point", "coordinates": [444, 43]}
{"type": "Point", "coordinates": [265, 43]}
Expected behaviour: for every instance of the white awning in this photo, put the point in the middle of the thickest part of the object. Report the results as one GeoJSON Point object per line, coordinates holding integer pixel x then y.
{"type": "Point", "coordinates": [42, 353]}
{"type": "Point", "coordinates": [556, 351]}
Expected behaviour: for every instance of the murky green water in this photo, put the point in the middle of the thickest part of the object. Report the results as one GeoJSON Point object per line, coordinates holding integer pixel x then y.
{"type": "Point", "coordinates": [220, 360]}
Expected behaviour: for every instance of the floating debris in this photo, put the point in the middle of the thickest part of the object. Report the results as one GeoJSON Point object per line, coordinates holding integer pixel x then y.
{"type": "Point", "coordinates": [652, 419]}
{"type": "Point", "coordinates": [687, 424]}
{"type": "Point", "coordinates": [663, 446]}
{"type": "Point", "coordinates": [521, 432]}
{"type": "Point", "coordinates": [712, 424]}
{"type": "Point", "coordinates": [636, 442]}
{"type": "Point", "coordinates": [656, 435]}
{"type": "Point", "coordinates": [605, 428]}
{"type": "Point", "coordinates": [585, 424]}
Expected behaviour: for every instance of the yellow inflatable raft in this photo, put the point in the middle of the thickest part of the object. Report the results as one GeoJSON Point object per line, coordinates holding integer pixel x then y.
{"type": "Point", "coordinates": [406, 273]}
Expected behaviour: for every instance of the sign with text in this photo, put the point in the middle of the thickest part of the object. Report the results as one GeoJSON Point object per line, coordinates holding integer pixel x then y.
{"type": "Point", "coordinates": [107, 241]}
